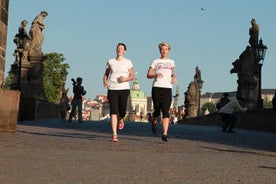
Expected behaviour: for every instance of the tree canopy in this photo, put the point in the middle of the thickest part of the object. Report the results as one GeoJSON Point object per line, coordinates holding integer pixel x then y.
{"type": "Point", "coordinates": [210, 106]}
{"type": "Point", "coordinates": [54, 76]}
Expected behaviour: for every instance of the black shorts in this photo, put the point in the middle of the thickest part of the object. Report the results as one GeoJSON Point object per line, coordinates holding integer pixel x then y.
{"type": "Point", "coordinates": [162, 99]}
{"type": "Point", "coordinates": [118, 101]}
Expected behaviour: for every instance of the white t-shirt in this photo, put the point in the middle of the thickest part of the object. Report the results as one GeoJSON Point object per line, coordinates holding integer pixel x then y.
{"type": "Point", "coordinates": [117, 69]}
{"type": "Point", "coordinates": [163, 66]}
{"type": "Point", "coordinates": [232, 107]}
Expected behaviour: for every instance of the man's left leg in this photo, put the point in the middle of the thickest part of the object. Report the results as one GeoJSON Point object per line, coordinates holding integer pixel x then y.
{"type": "Point", "coordinates": [80, 111]}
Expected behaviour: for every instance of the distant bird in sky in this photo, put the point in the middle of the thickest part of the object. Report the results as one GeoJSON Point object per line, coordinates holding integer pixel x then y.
{"type": "Point", "coordinates": [202, 9]}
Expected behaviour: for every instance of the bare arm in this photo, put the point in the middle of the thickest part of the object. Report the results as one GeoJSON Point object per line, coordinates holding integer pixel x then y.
{"type": "Point", "coordinates": [151, 74]}
{"type": "Point", "coordinates": [174, 80]}
{"type": "Point", "coordinates": [105, 77]}
{"type": "Point", "coordinates": [130, 77]}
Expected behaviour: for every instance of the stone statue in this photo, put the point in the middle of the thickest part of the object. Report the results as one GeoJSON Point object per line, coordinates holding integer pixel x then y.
{"type": "Point", "coordinates": [246, 67]}
{"type": "Point", "coordinates": [248, 76]}
{"type": "Point", "coordinates": [36, 35]}
{"type": "Point", "coordinates": [254, 34]}
{"type": "Point", "coordinates": [22, 27]}
{"type": "Point", "coordinates": [191, 100]}
{"type": "Point", "coordinates": [20, 52]}
{"type": "Point", "coordinates": [197, 76]}
{"type": "Point", "coordinates": [192, 95]}
{"type": "Point", "coordinates": [22, 31]}
{"type": "Point", "coordinates": [31, 83]}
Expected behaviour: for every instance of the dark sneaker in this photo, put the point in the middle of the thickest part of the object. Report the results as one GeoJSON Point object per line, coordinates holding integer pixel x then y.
{"type": "Point", "coordinates": [164, 138]}
{"type": "Point", "coordinates": [231, 131]}
{"type": "Point", "coordinates": [153, 127]}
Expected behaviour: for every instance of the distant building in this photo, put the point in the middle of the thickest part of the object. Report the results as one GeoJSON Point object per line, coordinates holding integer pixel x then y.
{"type": "Point", "coordinates": [137, 102]}
{"type": "Point", "coordinates": [104, 108]}
{"type": "Point", "coordinates": [149, 105]}
{"type": "Point", "coordinates": [214, 97]}
{"type": "Point", "coordinates": [267, 95]}
{"type": "Point", "coordinates": [139, 105]}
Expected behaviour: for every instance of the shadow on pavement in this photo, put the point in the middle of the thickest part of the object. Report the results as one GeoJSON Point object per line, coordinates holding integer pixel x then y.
{"type": "Point", "coordinates": [210, 134]}
{"type": "Point", "coordinates": [239, 151]}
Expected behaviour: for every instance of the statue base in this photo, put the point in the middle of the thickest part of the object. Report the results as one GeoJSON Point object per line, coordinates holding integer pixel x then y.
{"type": "Point", "coordinates": [249, 92]}
{"type": "Point", "coordinates": [9, 110]}
{"type": "Point", "coordinates": [32, 109]}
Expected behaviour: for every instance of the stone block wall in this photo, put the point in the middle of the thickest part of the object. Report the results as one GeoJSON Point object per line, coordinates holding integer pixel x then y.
{"type": "Point", "coordinates": [32, 109]}
{"type": "Point", "coordinates": [9, 100]}
{"type": "Point", "coordinates": [258, 119]}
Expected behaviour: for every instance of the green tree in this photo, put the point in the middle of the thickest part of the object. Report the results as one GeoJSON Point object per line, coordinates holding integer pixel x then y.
{"type": "Point", "coordinates": [210, 106]}
{"type": "Point", "coordinates": [8, 80]}
{"type": "Point", "coordinates": [54, 76]}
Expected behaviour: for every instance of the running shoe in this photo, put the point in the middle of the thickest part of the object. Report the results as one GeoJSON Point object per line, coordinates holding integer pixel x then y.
{"type": "Point", "coordinates": [121, 124]}
{"type": "Point", "coordinates": [115, 138]}
{"type": "Point", "coordinates": [153, 127]}
{"type": "Point", "coordinates": [164, 138]}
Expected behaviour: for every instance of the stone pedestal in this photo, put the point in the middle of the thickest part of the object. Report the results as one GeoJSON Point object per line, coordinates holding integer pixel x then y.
{"type": "Point", "coordinates": [9, 110]}
{"type": "Point", "coordinates": [32, 109]}
{"type": "Point", "coordinates": [191, 111]}
{"type": "Point", "coordinates": [24, 73]}
{"type": "Point", "coordinates": [34, 88]}
{"type": "Point", "coordinates": [31, 78]}
{"type": "Point", "coordinates": [249, 92]}
{"type": "Point", "coordinates": [248, 75]}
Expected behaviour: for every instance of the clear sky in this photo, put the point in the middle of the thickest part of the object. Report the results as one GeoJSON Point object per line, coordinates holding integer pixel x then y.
{"type": "Point", "coordinates": [86, 32]}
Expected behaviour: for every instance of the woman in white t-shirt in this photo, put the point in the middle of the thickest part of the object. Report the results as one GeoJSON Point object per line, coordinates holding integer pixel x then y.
{"type": "Point", "coordinates": [162, 71]}
{"type": "Point", "coordinates": [118, 73]}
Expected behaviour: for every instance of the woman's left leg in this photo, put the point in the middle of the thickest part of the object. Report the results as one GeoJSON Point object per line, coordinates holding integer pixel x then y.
{"type": "Point", "coordinates": [166, 103]}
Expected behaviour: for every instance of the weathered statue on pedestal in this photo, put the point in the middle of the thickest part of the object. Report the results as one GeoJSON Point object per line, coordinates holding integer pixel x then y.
{"type": "Point", "coordinates": [22, 31]}
{"type": "Point", "coordinates": [247, 69]}
{"type": "Point", "coordinates": [36, 36]}
{"type": "Point", "coordinates": [192, 96]}
{"type": "Point", "coordinates": [32, 59]}
{"type": "Point", "coordinates": [29, 65]}
{"type": "Point", "coordinates": [254, 34]}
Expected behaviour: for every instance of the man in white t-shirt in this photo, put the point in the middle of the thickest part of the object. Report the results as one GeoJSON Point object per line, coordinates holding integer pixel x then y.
{"type": "Point", "coordinates": [227, 113]}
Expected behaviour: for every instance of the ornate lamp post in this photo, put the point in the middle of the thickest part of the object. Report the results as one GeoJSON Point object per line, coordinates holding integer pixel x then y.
{"type": "Point", "coordinates": [63, 77]}
{"type": "Point", "coordinates": [20, 40]}
{"type": "Point", "coordinates": [260, 51]}
{"type": "Point", "coordinates": [200, 83]}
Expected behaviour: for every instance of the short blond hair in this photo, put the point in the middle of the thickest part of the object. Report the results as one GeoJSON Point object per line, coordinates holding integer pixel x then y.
{"type": "Point", "coordinates": [164, 44]}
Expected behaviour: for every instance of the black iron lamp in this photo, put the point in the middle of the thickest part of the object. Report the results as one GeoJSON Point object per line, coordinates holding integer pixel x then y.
{"type": "Point", "coordinates": [20, 40]}
{"type": "Point", "coordinates": [260, 51]}
{"type": "Point", "coordinates": [200, 84]}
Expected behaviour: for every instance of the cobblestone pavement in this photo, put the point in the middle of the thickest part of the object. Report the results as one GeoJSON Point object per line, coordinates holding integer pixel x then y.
{"type": "Point", "coordinates": [50, 151]}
